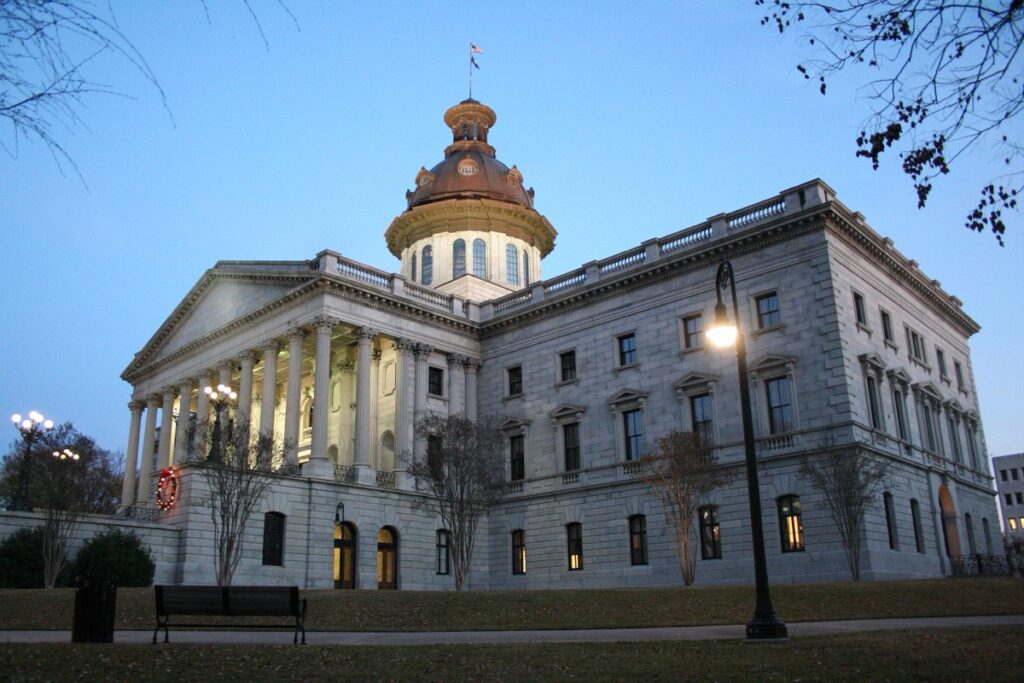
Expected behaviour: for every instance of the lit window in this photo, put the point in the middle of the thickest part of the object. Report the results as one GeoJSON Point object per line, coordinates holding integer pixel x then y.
{"type": "Point", "coordinates": [517, 457]}
{"type": "Point", "coordinates": [633, 424]}
{"type": "Point", "coordinates": [768, 310]}
{"type": "Point", "coordinates": [479, 258]}
{"type": "Point", "coordinates": [791, 527]}
{"type": "Point", "coordinates": [887, 327]}
{"type": "Point", "coordinates": [1013, 523]}
{"type": "Point", "coordinates": [780, 406]}
{"type": "Point", "coordinates": [915, 512]}
{"type": "Point", "coordinates": [859, 310]}
{"type": "Point", "coordinates": [515, 380]}
{"type": "Point", "coordinates": [435, 381]}
{"type": "Point", "coordinates": [693, 331]}
{"type": "Point", "coordinates": [627, 349]}
{"type": "Point", "coordinates": [273, 539]}
{"type": "Point", "coordinates": [574, 537]}
{"type": "Point", "coordinates": [890, 521]}
{"type": "Point", "coordinates": [567, 366]}
{"type": "Point", "coordinates": [512, 264]}
{"type": "Point", "coordinates": [518, 552]}
{"type": "Point", "coordinates": [458, 258]}
{"type": "Point", "coordinates": [702, 417]}
{"type": "Point", "coordinates": [638, 539]}
{"type": "Point", "coordinates": [443, 551]}
{"type": "Point", "coordinates": [571, 443]}
{"type": "Point", "coordinates": [710, 533]}
{"type": "Point", "coordinates": [428, 265]}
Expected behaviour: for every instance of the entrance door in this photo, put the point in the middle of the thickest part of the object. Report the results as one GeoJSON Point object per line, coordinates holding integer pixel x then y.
{"type": "Point", "coordinates": [387, 559]}
{"type": "Point", "coordinates": [344, 555]}
{"type": "Point", "coordinates": [949, 532]}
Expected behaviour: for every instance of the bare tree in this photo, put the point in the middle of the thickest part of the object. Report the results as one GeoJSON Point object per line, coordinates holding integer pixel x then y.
{"type": "Point", "coordinates": [682, 470]}
{"type": "Point", "coordinates": [849, 480]}
{"type": "Point", "coordinates": [946, 76]}
{"type": "Point", "coordinates": [464, 473]}
{"type": "Point", "coordinates": [238, 477]}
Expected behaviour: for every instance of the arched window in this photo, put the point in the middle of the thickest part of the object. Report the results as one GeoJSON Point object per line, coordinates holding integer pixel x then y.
{"type": "Point", "coordinates": [443, 553]}
{"type": "Point", "coordinates": [710, 533]}
{"type": "Point", "coordinates": [526, 268]}
{"type": "Point", "coordinates": [915, 512]}
{"type": "Point", "coordinates": [518, 552]}
{"type": "Point", "coordinates": [273, 539]}
{"type": "Point", "coordinates": [512, 264]}
{"type": "Point", "coordinates": [428, 265]}
{"type": "Point", "coordinates": [387, 558]}
{"type": "Point", "coordinates": [890, 520]}
{"type": "Point", "coordinates": [479, 258]}
{"type": "Point", "coordinates": [458, 258]}
{"type": "Point", "coordinates": [574, 538]}
{"type": "Point", "coordinates": [791, 526]}
{"type": "Point", "coordinates": [638, 539]}
{"type": "Point", "coordinates": [344, 555]}
{"type": "Point", "coordinates": [412, 270]}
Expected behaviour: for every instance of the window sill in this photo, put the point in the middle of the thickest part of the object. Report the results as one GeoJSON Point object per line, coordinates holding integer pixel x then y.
{"type": "Point", "coordinates": [921, 363]}
{"type": "Point", "coordinates": [566, 382]}
{"type": "Point", "coordinates": [946, 380]}
{"type": "Point", "coordinates": [780, 327]}
{"type": "Point", "coordinates": [512, 397]}
{"type": "Point", "coordinates": [438, 397]}
{"type": "Point", "coordinates": [889, 344]}
{"type": "Point", "coordinates": [685, 351]}
{"type": "Point", "coordinates": [630, 366]}
{"type": "Point", "coordinates": [864, 328]}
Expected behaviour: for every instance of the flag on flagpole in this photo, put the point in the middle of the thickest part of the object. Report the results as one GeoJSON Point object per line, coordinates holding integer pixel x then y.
{"type": "Point", "coordinates": [473, 62]}
{"type": "Point", "coordinates": [475, 50]}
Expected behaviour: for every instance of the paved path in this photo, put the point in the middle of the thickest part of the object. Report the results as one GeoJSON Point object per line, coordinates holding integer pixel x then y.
{"type": "Point", "coordinates": [723, 632]}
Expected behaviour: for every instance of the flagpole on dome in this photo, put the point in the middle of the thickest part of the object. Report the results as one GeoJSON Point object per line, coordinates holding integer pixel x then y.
{"type": "Point", "coordinates": [473, 49]}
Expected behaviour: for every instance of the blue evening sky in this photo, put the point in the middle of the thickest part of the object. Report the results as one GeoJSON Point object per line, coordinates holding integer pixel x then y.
{"type": "Point", "coordinates": [631, 120]}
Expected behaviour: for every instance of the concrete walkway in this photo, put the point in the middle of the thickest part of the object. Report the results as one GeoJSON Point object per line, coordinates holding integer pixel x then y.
{"type": "Point", "coordinates": [723, 632]}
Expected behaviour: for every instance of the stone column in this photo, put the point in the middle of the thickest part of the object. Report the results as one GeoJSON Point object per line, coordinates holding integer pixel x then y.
{"type": "Point", "coordinates": [420, 403]}
{"type": "Point", "coordinates": [345, 436]}
{"type": "Point", "coordinates": [166, 425]}
{"type": "Point", "coordinates": [375, 359]}
{"type": "Point", "coordinates": [405, 388]}
{"type": "Point", "coordinates": [364, 472]}
{"type": "Point", "coordinates": [181, 431]}
{"type": "Point", "coordinates": [244, 410]}
{"type": "Point", "coordinates": [472, 366]}
{"type": "Point", "coordinates": [269, 401]}
{"type": "Point", "coordinates": [456, 384]}
{"type": "Point", "coordinates": [225, 373]}
{"type": "Point", "coordinates": [202, 417]}
{"type": "Point", "coordinates": [146, 459]}
{"type": "Point", "coordinates": [131, 456]}
{"type": "Point", "coordinates": [292, 397]}
{"type": "Point", "coordinates": [318, 466]}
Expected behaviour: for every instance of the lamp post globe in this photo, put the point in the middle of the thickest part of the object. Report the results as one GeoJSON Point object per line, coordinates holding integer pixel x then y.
{"type": "Point", "coordinates": [220, 398]}
{"type": "Point", "coordinates": [765, 625]}
{"type": "Point", "coordinates": [31, 428]}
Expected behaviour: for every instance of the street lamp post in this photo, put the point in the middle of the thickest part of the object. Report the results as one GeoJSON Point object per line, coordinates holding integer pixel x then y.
{"type": "Point", "coordinates": [220, 398]}
{"type": "Point", "coordinates": [764, 625]}
{"type": "Point", "coordinates": [31, 428]}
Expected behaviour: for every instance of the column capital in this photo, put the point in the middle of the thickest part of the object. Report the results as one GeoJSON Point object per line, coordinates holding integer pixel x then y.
{"type": "Point", "coordinates": [271, 346]}
{"type": "Point", "coordinates": [168, 391]}
{"type": "Point", "coordinates": [226, 364]}
{"type": "Point", "coordinates": [404, 345]}
{"type": "Point", "coordinates": [346, 366]}
{"type": "Point", "coordinates": [136, 406]}
{"type": "Point", "coordinates": [366, 333]}
{"type": "Point", "coordinates": [423, 349]}
{"type": "Point", "coordinates": [297, 331]}
{"type": "Point", "coordinates": [457, 359]}
{"type": "Point", "coordinates": [324, 323]}
{"type": "Point", "coordinates": [251, 355]}
{"type": "Point", "coordinates": [153, 401]}
{"type": "Point", "coordinates": [376, 355]}
{"type": "Point", "coordinates": [473, 364]}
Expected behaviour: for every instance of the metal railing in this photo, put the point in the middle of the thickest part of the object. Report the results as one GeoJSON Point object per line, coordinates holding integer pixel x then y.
{"type": "Point", "coordinates": [345, 473]}
{"type": "Point", "coordinates": [386, 479]}
{"type": "Point", "coordinates": [981, 565]}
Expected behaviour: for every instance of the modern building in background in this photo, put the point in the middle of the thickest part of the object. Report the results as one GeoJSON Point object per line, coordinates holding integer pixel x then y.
{"type": "Point", "coordinates": [850, 346]}
{"type": "Point", "coordinates": [1009, 476]}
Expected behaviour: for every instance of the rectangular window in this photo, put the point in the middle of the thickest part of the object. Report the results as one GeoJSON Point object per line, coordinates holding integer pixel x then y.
{"type": "Point", "coordinates": [768, 310]}
{"type": "Point", "coordinates": [915, 346]}
{"type": "Point", "coordinates": [890, 521]}
{"type": "Point", "coordinates": [517, 452]}
{"type": "Point", "coordinates": [1013, 523]}
{"type": "Point", "coordinates": [571, 443]}
{"type": "Point", "coordinates": [1002, 473]}
{"type": "Point", "coordinates": [633, 426]}
{"type": "Point", "coordinates": [638, 539]}
{"type": "Point", "coordinates": [887, 327]}
{"type": "Point", "coordinates": [435, 459]}
{"type": "Point", "coordinates": [435, 381]}
{"type": "Point", "coordinates": [1019, 498]}
{"type": "Point", "coordinates": [701, 417]}
{"type": "Point", "coordinates": [929, 426]}
{"type": "Point", "coordinates": [443, 552]}
{"type": "Point", "coordinates": [710, 533]}
{"type": "Point", "coordinates": [574, 538]}
{"type": "Point", "coordinates": [972, 448]}
{"type": "Point", "coordinates": [958, 370]}
{"type": "Point", "coordinates": [273, 539]}
{"type": "Point", "coordinates": [874, 409]}
{"type": "Point", "coordinates": [515, 380]}
{"type": "Point", "coordinates": [940, 358]}
{"type": "Point", "coordinates": [780, 406]}
{"type": "Point", "coordinates": [901, 415]}
{"type": "Point", "coordinates": [567, 366]}
{"type": "Point", "coordinates": [1013, 474]}
{"type": "Point", "coordinates": [627, 349]}
{"type": "Point", "coordinates": [859, 310]}
{"type": "Point", "coordinates": [791, 527]}
{"type": "Point", "coordinates": [915, 511]}
{"type": "Point", "coordinates": [1009, 498]}
{"type": "Point", "coordinates": [518, 552]}
{"type": "Point", "coordinates": [693, 331]}
{"type": "Point", "coordinates": [954, 441]}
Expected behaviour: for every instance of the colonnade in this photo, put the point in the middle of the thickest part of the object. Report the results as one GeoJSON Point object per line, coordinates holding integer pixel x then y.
{"type": "Point", "coordinates": [174, 441]}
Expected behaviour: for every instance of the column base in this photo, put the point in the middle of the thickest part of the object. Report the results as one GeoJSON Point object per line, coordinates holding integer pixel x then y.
{"type": "Point", "coordinates": [366, 475]}
{"type": "Point", "coordinates": [318, 469]}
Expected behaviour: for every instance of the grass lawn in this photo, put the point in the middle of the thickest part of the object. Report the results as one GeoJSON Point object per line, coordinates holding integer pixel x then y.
{"type": "Point", "coordinates": [975, 654]}
{"type": "Point", "coordinates": [502, 610]}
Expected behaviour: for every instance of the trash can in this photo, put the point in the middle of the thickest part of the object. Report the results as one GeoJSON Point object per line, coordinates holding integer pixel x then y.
{"type": "Point", "coordinates": [95, 601]}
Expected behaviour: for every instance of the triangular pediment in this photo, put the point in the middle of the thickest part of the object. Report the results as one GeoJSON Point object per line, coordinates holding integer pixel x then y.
{"type": "Point", "coordinates": [771, 361]}
{"type": "Point", "coordinates": [694, 380]}
{"type": "Point", "coordinates": [872, 359]}
{"type": "Point", "coordinates": [513, 424]}
{"type": "Point", "coordinates": [899, 375]}
{"type": "Point", "coordinates": [627, 395]}
{"type": "Point", "coordinates": [928, 388]}
{"type": "Point", "coordinates": [566, 411]}
{"type": "Point", "coordinates": [955, 406]}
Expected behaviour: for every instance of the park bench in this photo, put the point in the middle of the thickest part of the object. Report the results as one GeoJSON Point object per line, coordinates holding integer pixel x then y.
{"type": "Point", "coordinates": [229, 601]}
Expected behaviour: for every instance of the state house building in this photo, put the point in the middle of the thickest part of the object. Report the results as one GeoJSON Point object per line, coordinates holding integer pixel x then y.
{"type": "Point", "coordinates": [849, 345]}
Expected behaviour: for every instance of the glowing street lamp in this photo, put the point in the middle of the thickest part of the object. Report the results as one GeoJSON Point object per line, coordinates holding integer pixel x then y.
{"type": "Point", "coordinates": [31, 427]}
{"type": "Point", "coordinates": [66, 454]}
{"type": "Point", "coordinates": [220, 399]}
{"type": "Point", "coordinates": [764, 625]}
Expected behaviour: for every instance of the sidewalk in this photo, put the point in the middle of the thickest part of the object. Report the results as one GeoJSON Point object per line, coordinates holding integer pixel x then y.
{"type": "Point", "coordinates": [721, 632]}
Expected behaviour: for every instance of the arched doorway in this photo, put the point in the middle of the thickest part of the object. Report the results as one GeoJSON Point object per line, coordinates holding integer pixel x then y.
{"type": "Point", "coordinates": [949, 532]}
{"type": "Point", "coordinates": [344, 555]}
{"type": "Point", "coordinates": [387, 559]}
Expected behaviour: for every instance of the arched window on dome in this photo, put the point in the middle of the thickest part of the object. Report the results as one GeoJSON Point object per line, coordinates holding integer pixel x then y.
{"type": "Point", "coordinates": [412, 270]}
{"type": "Point", "coordinates": [511, 264]}
{"type": "Point", "coordinates": [479, 258]}
{"type": "Point", "coordinates": [428, 266]}
{"type": "Point", "coordinates": [526, 268]}
{"type": "Point", "coordinates": [458, 258]}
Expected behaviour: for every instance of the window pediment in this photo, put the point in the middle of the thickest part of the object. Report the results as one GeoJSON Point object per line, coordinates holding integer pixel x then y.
{"type": "Point", "coordinates": [928, 389]}
{"type": "Point", "coordinates": [771, 362]}
{"type": "Point", "coordinates": [955, 406]}
{"type": "Point", "coordinates": [514, 424]}
{"type": "Point", "coordinates": [872, 359]}
{"type": "Point", "coordinates": [627, 396]}
{"type": "Point", "coordinates": [898, 375]}
{"type": "Point", "coordinates": [693, 382]}
{"type": "Point", "coordinates": [567, 412]}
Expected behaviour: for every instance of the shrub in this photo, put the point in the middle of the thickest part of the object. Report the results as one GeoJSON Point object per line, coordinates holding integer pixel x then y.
{"type": "Point", "coordinates": [21, 559]}
{"type": "Point", "coordinates": [116, 556]}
